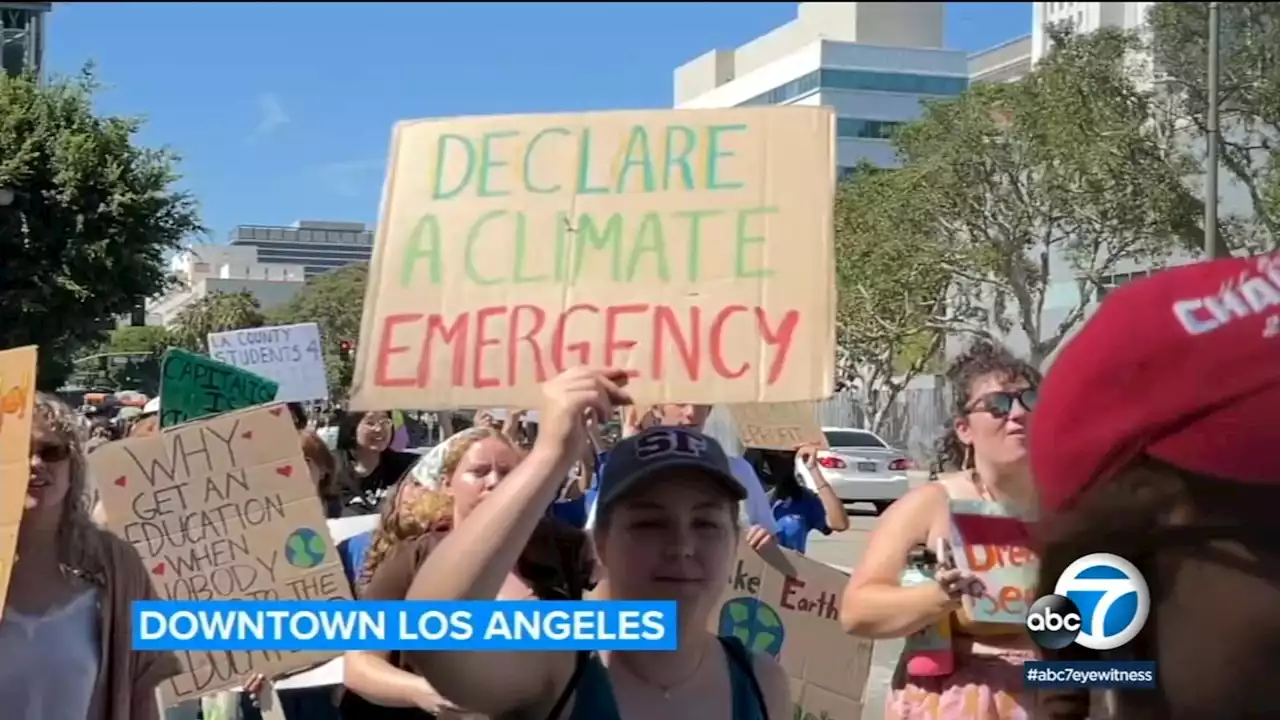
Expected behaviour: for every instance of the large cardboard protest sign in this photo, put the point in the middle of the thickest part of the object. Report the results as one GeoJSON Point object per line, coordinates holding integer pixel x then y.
{"type": "Point", "coordinates": [995, 546]}
{"type": "Point", "coordinates": [195, 386]}
{"type": "Point", "coordinates": [331, 672]}
{"type": "Point", "coordinates": [789, 607]}
{"type": "Point", "coordinates": [692, 247]}
{"type": "Point", "coordinates": [290, 355]}
{"type": "Point", "coordinates": [17, 396]}
{"type": "Point", "coordinates": [223, 509]}
{"type": "Point", "coordinates": [778, 426]}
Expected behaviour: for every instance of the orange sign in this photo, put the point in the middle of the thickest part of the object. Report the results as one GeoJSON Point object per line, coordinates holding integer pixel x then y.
{"type": "Point", "coordinates": [17, 394]}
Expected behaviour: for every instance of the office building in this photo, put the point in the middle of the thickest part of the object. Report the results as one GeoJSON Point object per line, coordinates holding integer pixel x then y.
{"type": "Point", "coordinates": [873, 62]}
{"type": "Point", "coordinates": [1083, 17]}
{"type": "Point", "coordinates": [1009, 61]}
{"type": "Point", "coordinates": [205, 269]}
{"type": "Point", "coordinates": [23, 35]}
{"type": "Point", "coordinates": [318, 246]}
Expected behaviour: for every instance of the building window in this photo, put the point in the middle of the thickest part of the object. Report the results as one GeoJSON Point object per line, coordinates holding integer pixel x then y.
{"type": "Point", "coordinates": [338, 249]}
{"type": "Point", "coordinates": [865, 129]}
{"type": "Point", "coordinates": [893, 82]}
{"type": "Point", "coordinates": [862, 80]}
{"type": "Point", "coordinates": [1111, 282]}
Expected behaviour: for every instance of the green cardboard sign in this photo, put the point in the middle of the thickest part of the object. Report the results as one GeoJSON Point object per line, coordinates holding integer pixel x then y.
{"type": "Point", "coordinates": [196, 386]}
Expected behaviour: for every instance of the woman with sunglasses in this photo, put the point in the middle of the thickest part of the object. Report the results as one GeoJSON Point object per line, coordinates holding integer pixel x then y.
{"type": "Point", "coordinates": [65, 638]}
{"type": "Point", "coordinates": [984, 454]}
{"type": "Point", "coordinates": [1178, 475]}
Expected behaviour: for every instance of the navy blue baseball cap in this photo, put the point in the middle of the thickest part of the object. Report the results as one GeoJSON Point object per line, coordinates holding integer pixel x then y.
{"type": "Point", "coordinates": [659, 450]}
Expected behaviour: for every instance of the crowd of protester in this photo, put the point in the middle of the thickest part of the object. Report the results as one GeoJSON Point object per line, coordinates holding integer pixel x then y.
{"type": "Point", "coordinates": [1150, 437]}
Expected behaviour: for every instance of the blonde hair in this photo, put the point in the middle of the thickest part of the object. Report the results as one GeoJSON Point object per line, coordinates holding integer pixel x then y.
{"type": "Point", "coordinates": [434, 509]}
{"type": "Point", "coordinates": [76, 529]}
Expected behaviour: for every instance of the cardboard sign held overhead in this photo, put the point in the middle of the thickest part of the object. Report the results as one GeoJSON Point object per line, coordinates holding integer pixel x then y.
{"type": "Point", "coordinates": [789, 606]}
{"type": "Point", "coordinates": [17, 396]}
{"type": "Point", "coordinates": [223, 509]}
{"type": "Point", "coordinates": [195, 386]}
{"type": "Point", "coordinates": [778, 426]}
{"type": "Point", "coordinates": [692, 247]}
{"type": "Point", "coordinates": [290, 355]}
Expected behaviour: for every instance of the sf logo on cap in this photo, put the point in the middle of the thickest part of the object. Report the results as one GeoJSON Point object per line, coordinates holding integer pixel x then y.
{"type": "Point", "coordinates": [1100, 602]}
{"type": "Point", "coordinates": [669, 441]}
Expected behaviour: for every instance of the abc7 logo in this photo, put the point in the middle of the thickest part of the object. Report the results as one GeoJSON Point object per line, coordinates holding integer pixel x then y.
{"type": "Point", "coordinates": [1118, 603]}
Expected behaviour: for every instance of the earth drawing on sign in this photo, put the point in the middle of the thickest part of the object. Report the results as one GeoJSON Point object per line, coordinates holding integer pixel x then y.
{"type": "Point", "coordinates": [304, 548]}
{"type": "Point", "coordinates": [754, 623]}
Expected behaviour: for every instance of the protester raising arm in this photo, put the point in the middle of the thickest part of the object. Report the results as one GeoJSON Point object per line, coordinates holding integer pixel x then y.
{"type": "Point", "coordinates": [371, 674]}
{"type": "Point", "coordinates": [875, 604]}
{"type": "Point", "coordinates": [476, 559]}
{"type": "Point", "coordinates": [832, 505]}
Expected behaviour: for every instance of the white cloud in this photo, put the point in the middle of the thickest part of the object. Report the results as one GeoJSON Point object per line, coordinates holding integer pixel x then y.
{"type": "Point", "coordinates": [272, 116]}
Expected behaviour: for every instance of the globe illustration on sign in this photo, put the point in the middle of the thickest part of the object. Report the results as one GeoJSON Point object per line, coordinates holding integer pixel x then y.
{"type": "Point", "coordinates": [754, 623]}
{"type": "Point", "coordinates": [305, 548]}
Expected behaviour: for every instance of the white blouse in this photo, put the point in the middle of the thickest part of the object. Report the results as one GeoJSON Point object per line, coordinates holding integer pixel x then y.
{"type": "Point", "coordinates": [49, 663]}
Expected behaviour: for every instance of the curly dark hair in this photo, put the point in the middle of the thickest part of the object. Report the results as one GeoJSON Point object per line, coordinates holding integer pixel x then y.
{"type": "Point", "coordinates": [983, 358]}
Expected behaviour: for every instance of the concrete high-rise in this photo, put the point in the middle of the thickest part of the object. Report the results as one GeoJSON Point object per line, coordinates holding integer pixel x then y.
{"type": "Point", "coordinates": [873, 62]}
{"type": "Point", "coordinates": [319, 246]}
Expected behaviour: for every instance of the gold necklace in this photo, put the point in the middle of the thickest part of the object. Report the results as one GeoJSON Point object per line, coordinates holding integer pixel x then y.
{"type": "Point", "coordinates": [667, 690]}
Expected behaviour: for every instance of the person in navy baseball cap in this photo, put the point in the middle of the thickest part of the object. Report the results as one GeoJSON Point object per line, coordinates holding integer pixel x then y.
{"type": "Point", "coordinates": [657, 452]}
{"type": "Point", "coordinates": [1156, 439]}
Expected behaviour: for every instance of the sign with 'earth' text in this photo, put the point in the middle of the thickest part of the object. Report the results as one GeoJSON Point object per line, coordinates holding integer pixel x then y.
{"type": "Point", "coordinates": [784, 604]}
{"type": "Point", "coordinates": [223, 509]}
{"type": "Point", "coordinates": [691, 247]}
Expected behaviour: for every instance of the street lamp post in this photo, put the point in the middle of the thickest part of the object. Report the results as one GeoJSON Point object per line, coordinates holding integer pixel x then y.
{"type": "Point", "coordinates": [1211, 137]}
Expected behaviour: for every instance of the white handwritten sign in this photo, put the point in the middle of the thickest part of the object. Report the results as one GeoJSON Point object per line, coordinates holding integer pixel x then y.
{"type": "Point", "coordinates": [291, 355]}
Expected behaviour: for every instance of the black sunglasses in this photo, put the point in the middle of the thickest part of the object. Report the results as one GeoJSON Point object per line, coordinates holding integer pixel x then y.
{"type": "Point", "coordinates": [51, 453]}
{"type": "Point", "coordinates": [1000, 404]}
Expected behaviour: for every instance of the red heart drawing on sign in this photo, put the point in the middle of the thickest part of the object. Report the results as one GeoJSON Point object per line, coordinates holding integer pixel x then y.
{"type": "Point", "coordinates": [158, 569]}
{"type": "Point", "coordinates": [276, 411]}
{"type": "Point", "coordinates": [285, 470]}
{"type": "Point", "coordinates": [122, 481]}
{"type": "Point", "coordinates": [247, 434]}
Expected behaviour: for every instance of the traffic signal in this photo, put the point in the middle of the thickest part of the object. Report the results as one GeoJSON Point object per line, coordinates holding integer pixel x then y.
{"type": "Point", "coordinates": [345, 348]}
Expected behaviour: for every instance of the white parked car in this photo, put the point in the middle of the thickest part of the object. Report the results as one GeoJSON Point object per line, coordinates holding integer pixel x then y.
{"type": "Point", "coordinates": [862, 467]}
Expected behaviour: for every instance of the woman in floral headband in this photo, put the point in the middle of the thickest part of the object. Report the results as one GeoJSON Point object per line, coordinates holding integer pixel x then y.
{"type": "Point", "coordinates": [438, 494]}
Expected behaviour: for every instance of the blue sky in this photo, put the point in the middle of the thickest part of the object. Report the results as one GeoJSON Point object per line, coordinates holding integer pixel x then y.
{"type": "Point", "coordinates": [283, 111]}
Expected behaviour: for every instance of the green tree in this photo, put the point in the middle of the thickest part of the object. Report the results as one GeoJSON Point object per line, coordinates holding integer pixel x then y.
{"type": "Point", "coordinates": [216, 312]}
{"type": "Point", "coordinates": [141, 370]}
{"type": "Point", "coordinates": [335, 302]}
{"type": "Point", "coordinates": [89, 220]}
{"type": "Point", "coordinates": [1051, 185]}
{"type": "Point", "coordinates": [1249, 92]}
{"type": "Point", "coordinates": [894, 276]}
{"type": "Point", "coordinates": [148, 339]}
